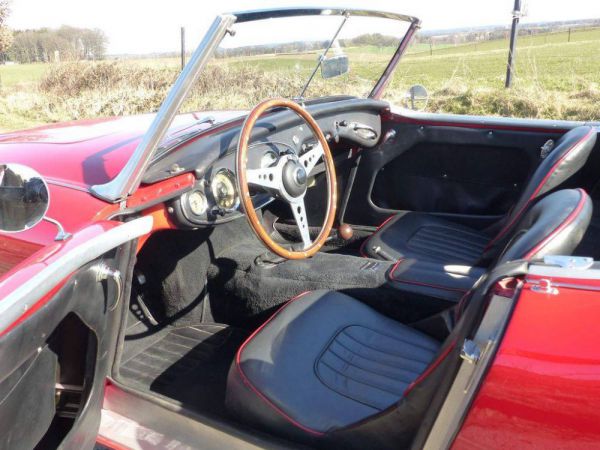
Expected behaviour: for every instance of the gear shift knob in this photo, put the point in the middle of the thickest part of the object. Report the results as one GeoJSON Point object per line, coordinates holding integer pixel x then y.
{"type": "Point", "coordinates": [345, 231]}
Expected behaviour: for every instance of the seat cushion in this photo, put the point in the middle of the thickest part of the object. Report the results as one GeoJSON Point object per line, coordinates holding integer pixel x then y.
{"type": "Point", "coordinates": [425, 237]}
{"type": "Point", "coordinates": [323, 362]}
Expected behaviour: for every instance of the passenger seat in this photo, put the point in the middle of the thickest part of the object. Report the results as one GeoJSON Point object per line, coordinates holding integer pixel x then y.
{"type": "Point", "coordinates": [424, 236]}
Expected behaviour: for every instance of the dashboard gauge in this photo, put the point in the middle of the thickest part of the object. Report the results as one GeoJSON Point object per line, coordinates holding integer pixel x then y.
{"type": "Point", "coordinates": [268, 159]}
{"type": "Point", "coordinates": [223, 190]}
{"type": "Point", "coordinates": [197, 202]}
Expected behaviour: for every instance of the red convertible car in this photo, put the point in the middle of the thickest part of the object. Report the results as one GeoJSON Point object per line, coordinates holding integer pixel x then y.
{"type": "Point", "coordinates": [324, 270]}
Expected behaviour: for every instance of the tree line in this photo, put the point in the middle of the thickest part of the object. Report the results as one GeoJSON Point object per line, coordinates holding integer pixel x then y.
{"type": "Point", "coordinates": [53, 45]}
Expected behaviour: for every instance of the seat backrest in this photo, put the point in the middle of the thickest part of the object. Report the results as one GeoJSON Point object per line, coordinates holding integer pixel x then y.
{"type": "Point", "coordinates": [568, 156]}
{"type": "Point", "coordinates": [553, 226]}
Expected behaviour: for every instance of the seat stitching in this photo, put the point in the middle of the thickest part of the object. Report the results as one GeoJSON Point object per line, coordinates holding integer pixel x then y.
{"type": "Point", "coordinates": [445, 246]}
{"type": "Point", "coordinates": [399, 395]}
{"type": "Point", "coordinates": [382, 351]}
{"type": "Point", "coordinates": [390, 336]}
{"type": "Point", "coordinates": [455, 233]}
{"type": "Point", "coordinates": [376, 372]}
{"type": "Point", "coordinates": [374, 360]}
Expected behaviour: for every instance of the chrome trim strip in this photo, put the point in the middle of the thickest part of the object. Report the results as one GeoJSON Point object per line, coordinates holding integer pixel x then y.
{"type": "Point", "coordinates": [25, 296]}
{"type": "Point", "coordinates": [274, 13]}
{"type": "Point", "coordinates": [128, 180]}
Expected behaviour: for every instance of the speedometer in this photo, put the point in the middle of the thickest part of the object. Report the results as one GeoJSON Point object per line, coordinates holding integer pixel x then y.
{"type": "Point", "coordinates": [223, 190]}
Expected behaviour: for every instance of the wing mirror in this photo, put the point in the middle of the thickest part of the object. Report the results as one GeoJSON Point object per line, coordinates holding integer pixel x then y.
{"type": "Point", "coordinates": [416, 98]}
{"type": "Point", "coordinates": [334, 66]}
{"type": "Point", "coordinates": [24, 200]}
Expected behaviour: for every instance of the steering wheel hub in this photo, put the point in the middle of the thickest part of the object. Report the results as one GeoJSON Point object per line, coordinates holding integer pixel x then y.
{"type": "Point", "coordinates": [289, 179]}
{"type": "Point", "coordinates": [294, 179]}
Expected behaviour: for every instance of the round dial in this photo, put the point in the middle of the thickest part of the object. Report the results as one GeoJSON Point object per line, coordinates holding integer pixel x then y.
{"type": "Point", "coordinates": [197, 203]}
{"type": "Point", "coordinates": [223, 190]}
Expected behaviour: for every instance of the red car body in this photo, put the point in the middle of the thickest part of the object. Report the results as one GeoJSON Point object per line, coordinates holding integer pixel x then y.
{"type": "Point", "coordinates": [542, 389]}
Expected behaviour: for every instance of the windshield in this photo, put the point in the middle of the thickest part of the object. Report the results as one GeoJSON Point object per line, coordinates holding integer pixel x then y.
{"type": "Point", "coordinates": [297, 57]}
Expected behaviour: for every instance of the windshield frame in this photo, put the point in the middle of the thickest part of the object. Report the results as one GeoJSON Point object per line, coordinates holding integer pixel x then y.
{"type": "Point", "coordinates": [129, 178]}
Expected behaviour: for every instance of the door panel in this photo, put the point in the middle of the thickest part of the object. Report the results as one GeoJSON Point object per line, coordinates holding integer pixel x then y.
{"type": "Point", "coordinates": [55, 359]}
{"type": "Point", "coordinates": [466, 172]}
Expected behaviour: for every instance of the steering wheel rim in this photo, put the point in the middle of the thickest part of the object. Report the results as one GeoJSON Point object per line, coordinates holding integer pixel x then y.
{"type": "Point", "coordinates": [273, 181]}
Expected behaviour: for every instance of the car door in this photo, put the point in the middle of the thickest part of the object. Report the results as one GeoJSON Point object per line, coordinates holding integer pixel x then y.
{"type": "Point", "coordinates": [59, 315]}
{"type": "Point", "coordinates": [464, 168]}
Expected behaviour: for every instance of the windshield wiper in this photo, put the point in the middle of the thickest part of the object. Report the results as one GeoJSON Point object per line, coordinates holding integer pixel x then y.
{"type": "Point", "coordinates": [322, 57]}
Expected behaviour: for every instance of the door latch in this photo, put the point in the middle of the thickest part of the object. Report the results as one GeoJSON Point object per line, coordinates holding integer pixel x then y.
{"type": "Point", "coordinates": [470, 352]}
{"type": "Point", "coordinates": [103, 272]}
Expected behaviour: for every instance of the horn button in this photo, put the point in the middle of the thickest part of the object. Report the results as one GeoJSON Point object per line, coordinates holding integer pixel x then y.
{"type": "Point", "coordinates": [294, 178]}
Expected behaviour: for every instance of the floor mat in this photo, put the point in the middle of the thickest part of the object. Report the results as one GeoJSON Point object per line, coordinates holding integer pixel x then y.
{"type": "Point", "coordinates": [188, 364]}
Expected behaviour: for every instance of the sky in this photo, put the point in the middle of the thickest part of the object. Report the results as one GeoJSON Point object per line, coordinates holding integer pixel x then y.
{"type": "Point", "coordinates": [147, 26]}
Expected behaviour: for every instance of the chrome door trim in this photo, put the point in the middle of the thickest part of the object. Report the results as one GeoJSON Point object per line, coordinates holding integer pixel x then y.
{"type": "Point", "coordinates": [25, 296]}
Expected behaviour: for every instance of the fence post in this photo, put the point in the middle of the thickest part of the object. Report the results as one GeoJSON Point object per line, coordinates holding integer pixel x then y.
{"type": "Point", "coordinates": [430, 48]}
{"type": "Point", "coordinates": [182, 47]}
{"type": "Point", "coordinates": [569, 38]}
{"type": "Point", "coordinates": [513, 43]}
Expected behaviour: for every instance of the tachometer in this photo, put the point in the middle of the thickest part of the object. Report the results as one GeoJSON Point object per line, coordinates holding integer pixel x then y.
{"type": "Point", "coordinates": [223, 190]}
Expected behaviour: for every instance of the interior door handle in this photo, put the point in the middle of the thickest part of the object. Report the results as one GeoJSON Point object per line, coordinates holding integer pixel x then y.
{"type": "Point", "coordinates": [103, 272]}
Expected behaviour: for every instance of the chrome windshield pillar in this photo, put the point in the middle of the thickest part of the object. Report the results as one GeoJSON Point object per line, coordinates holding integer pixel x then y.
{"type": "Point", "coordinates": [127, 181]}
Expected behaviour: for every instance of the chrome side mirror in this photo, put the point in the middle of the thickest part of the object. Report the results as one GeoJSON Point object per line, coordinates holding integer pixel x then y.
{"type": "Point", "coordinates": [334, 66]}
{"type": "Point", "coordinates": [416, 98]}
{"type": "Point", "coordinates": [23, 198]}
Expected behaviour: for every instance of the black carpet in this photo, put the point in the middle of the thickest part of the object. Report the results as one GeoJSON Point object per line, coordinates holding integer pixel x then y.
{"type": "Point", "coordinates": [188, 364]}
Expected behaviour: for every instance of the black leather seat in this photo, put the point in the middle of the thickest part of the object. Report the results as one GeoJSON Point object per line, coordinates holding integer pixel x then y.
{"type": "Point", "coordinates": [327, 369]}
{"type": "Point", "coordinates": [427, 237]}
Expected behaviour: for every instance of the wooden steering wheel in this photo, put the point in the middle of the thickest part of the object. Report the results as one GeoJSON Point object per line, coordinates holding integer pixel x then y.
{"type": "Point", "coordinates": [286, 179]}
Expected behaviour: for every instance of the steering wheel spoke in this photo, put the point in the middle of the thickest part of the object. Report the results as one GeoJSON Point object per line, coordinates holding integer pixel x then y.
{"type": "Point", "coordinates": [268, 177]}
{"type": "Point", "coordinates": [310, 159]}
{"type": "Point", "coordinates": [299, 211]}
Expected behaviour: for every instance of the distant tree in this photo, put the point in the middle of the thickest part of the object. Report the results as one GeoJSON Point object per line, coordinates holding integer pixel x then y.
{"type": "Point", "coordinates": [69, 43]}
{"type": "Point", "coordinates": [6, 36]}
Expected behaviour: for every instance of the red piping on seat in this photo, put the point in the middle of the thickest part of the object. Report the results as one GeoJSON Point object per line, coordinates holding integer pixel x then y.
{"type": "Point", "coordinates": [420, 283]}
{"type": "Point", "coordinates": [431, 368]}
{"type": "Point", "coordinates": [570, 218]}
{"type": "Point", "coordinates": [249, 384]}
{"type": "Point", "coordinates": [537, 190]}
{"type": "Point", "coordinates": [362, 246]}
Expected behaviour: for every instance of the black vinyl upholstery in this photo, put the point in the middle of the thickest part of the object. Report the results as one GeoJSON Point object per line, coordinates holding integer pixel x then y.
{"type": "Point", "coordinates": [327, 369]}
{"type": "Point", "coordinates": [424, 236]}
{"type": "Point", "coordinates": [323, 362]}
{"type": "Point", "coordinates": [566, 213]}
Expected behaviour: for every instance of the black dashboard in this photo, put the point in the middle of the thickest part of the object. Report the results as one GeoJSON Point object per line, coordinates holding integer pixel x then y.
{"type": "Point", "coordinates": [346, 123]}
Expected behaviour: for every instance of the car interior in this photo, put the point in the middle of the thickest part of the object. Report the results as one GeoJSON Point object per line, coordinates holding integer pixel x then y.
{"type": "Point", "coordinates": [354, 346]}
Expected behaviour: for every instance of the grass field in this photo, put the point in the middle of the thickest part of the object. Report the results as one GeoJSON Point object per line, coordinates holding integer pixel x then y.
{"type": "Point", "coordinates": [554, 79]}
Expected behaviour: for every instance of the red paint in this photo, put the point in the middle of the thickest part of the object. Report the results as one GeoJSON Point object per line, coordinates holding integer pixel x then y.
{"type": "Point", "coordinates": [543, 389]}
{"type": "Point", "coordinates": [43, 258]}
{"type": "Point", "coordinates": [249, 384]}
{"type": "Point", "coordinates": [109, 443]}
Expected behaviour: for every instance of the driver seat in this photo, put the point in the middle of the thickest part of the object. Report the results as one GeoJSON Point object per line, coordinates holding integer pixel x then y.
{"type": "Point", "coordinates": [328, 370]}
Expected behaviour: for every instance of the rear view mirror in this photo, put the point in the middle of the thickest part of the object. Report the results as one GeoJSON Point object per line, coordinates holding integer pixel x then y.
{"type": "Point", "coordinates": [417, 97]}
{"type": "Point", "coordinates": [23, 198]}
{"type": "Point", "coordinates": [334, 66]}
